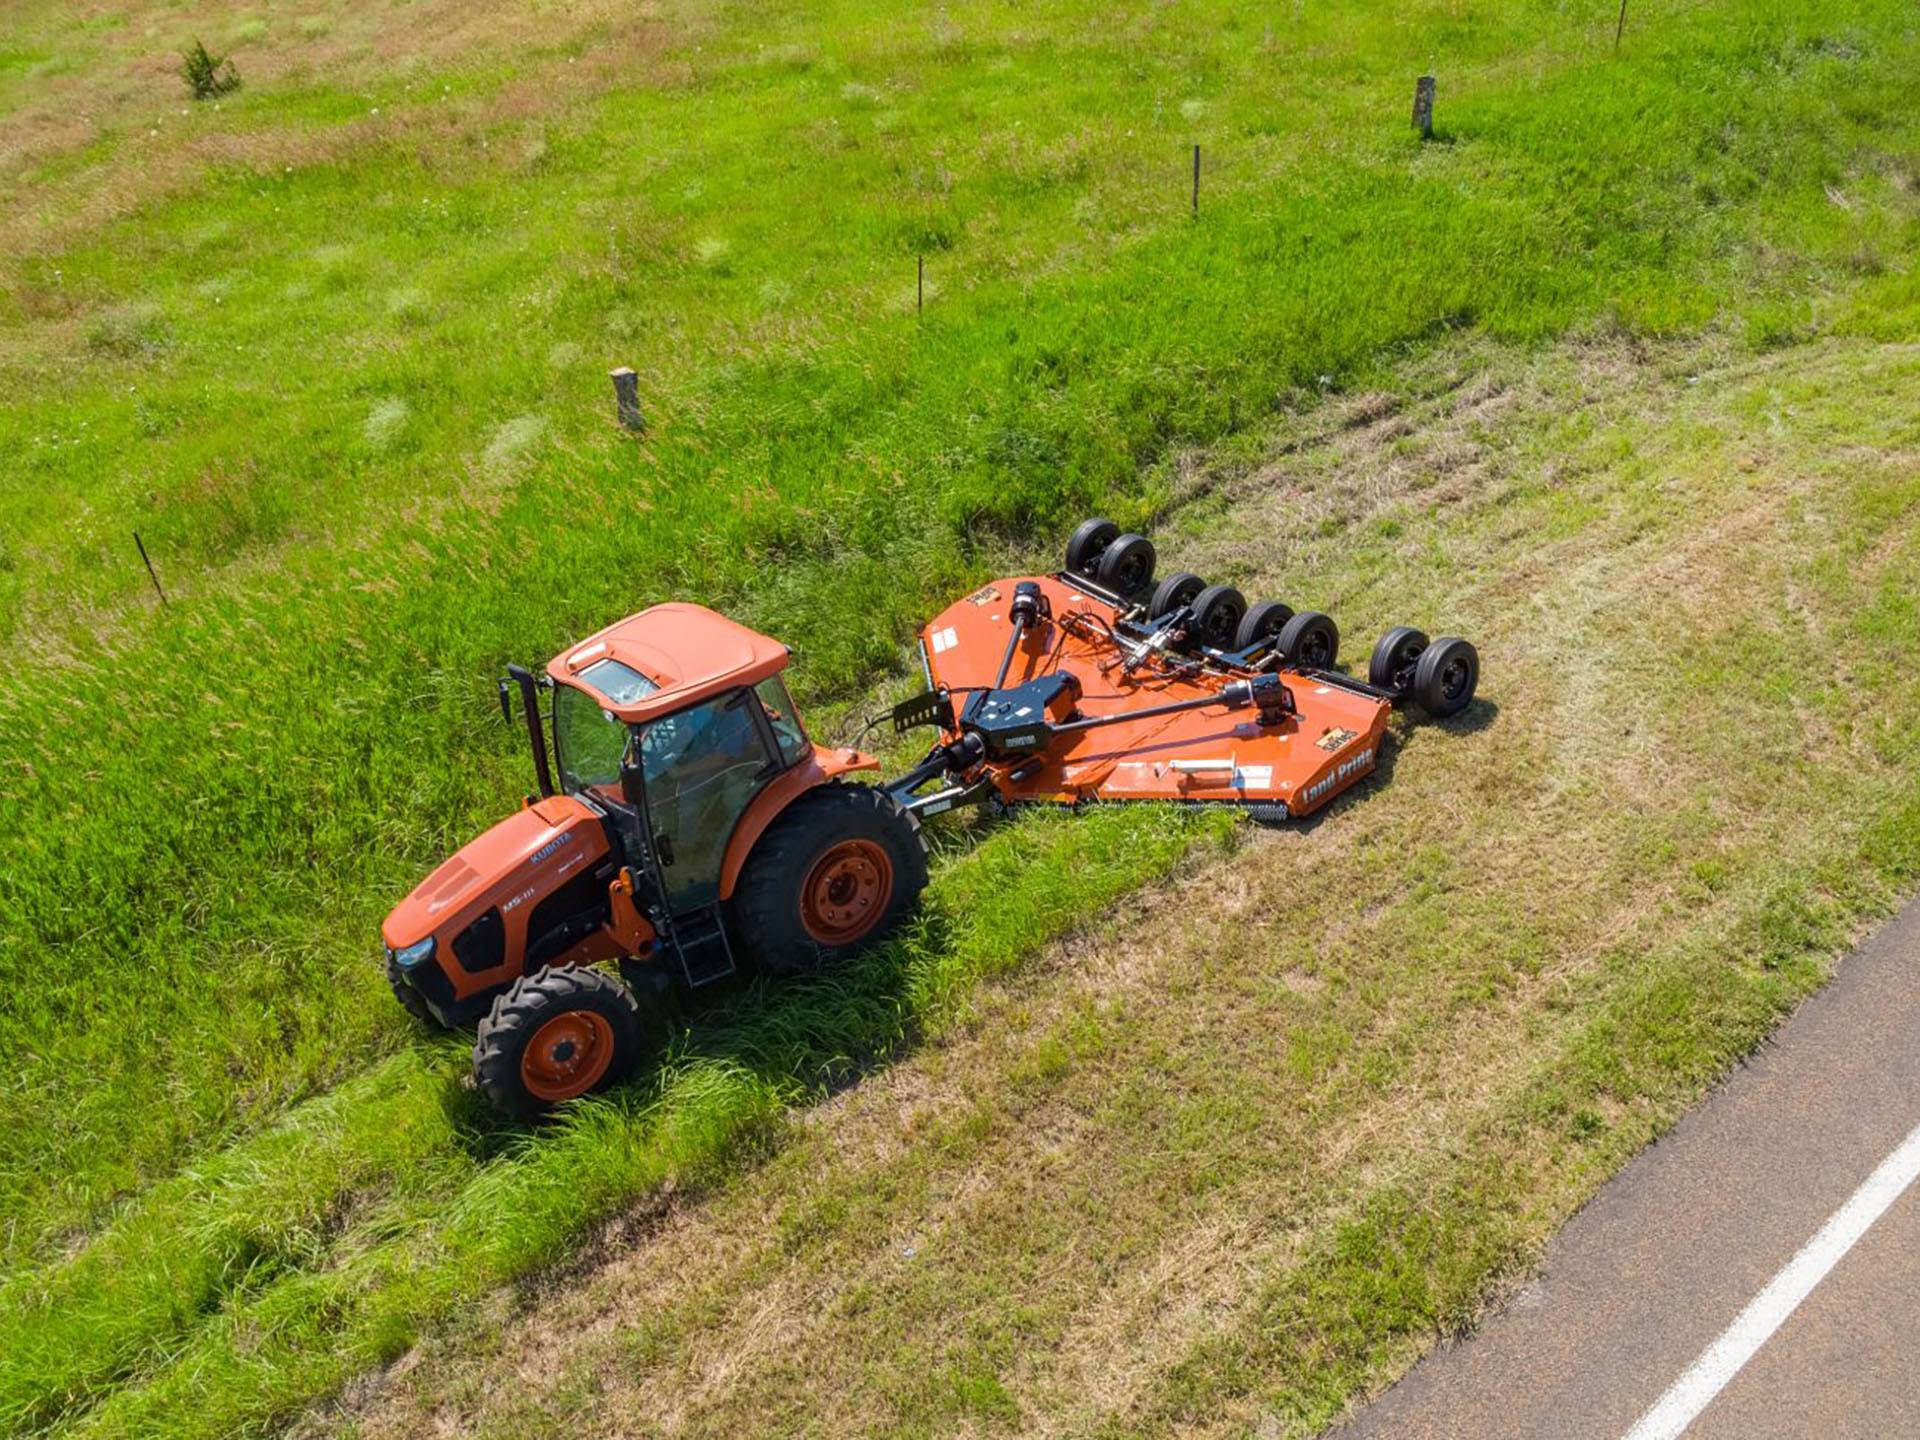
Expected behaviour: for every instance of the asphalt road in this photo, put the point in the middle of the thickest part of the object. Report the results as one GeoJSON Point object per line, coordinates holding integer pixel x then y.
{"type": "Point", "coordinates": [1688, 1245]}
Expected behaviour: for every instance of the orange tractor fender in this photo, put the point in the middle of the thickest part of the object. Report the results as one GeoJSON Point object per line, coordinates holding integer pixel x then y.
{"type": "Point", "coordinates": [766, 807]}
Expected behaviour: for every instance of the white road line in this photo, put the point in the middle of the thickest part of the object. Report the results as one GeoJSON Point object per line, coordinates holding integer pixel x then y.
{"type": "Point", "coordinates": [1721, 1361]}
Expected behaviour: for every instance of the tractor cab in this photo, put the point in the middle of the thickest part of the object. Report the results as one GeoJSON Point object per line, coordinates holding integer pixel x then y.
{"type": "Point", "coordinates": [669, 724]}
{"type": "Point", "coordinates": [681, 809]}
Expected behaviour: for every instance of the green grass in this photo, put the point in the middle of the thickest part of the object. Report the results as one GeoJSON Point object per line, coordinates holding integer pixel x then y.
{"type": "Point", "coordinates": [1240, 1153]}
{"type": "Point", "coordinates": [345, 373]}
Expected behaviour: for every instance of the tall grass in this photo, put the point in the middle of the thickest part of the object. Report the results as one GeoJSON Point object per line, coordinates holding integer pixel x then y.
{"type": "Point", "coordinates": [236, 1289]}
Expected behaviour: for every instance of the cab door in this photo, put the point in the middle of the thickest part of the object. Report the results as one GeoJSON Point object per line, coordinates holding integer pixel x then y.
{"type": "Point", "coordinates": [701, 766]}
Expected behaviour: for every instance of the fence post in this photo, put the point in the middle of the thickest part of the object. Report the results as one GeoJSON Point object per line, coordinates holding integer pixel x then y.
{"type": "Point", "coordinates": [1196, 179]}
{"type": "Point", "coordinates": [1423, 106]}
{"type": "Point", "coordinates": [626, 399]}
{"type": "Point", "coordinates": [148, 561]}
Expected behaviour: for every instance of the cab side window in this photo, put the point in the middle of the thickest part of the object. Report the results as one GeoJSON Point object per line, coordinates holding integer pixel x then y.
{"type": "Point", "coordinates": [784, 719]}
{"type": "Point", "coordinates": [701, 767]}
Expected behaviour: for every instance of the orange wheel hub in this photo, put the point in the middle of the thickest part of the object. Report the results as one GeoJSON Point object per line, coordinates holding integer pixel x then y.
{"type": "Point", "coordinates": [846, 892]}
{"type": "Point", "coordinates": [567, 1055]}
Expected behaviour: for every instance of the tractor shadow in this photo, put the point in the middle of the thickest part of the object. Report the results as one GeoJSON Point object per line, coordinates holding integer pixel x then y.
{"type": "Point", "coordinates": [811, 1039]}
{"type": "Point", "coordinates": [808, 1039]}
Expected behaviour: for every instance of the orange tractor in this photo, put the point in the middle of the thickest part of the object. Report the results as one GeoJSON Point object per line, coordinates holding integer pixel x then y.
{"type": "Point", "coordinates": [685, 819]}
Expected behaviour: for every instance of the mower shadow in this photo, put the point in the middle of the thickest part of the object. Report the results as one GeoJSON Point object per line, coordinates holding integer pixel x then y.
{"type": "Point", "coordinates": [1478, 716]}
{"type": "Point", "coordinates": [1470, 721]}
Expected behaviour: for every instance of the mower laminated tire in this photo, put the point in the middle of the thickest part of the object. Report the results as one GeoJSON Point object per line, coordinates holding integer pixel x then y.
{"type": "Point", "coordinates": [1126, 565]}
{"type": "Point", "coordinates": [839, 870]}
{"type": "Point", "coordinates": [1394, 657]}
{"type": "Point", "coordinates": [1310, 641]}
{"type": "Point", "coordinates": [559, 1033]}
{"type": "Point", "coordinates": [1217, 612]}
{"type": "Point", "coordinates": [1176, 590]}
{"type": "Point", "coordinates": [1446, 677]}
{"type": "Point", "coordinates": [411, 1000]}
{"type": "Point", "coordinates": [1088, 543]}
{"type": "Point", "coordinates": [1263, 621]}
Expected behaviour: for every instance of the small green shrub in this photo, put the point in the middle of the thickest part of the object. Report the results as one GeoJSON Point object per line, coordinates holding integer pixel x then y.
{"type": "Point", "coordinates": [208, 76]}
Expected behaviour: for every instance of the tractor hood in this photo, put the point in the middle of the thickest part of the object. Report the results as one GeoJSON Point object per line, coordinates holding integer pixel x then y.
{"type": "Point", "coordinates": [557, 833]}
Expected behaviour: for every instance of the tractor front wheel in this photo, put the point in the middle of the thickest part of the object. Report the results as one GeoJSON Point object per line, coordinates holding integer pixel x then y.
{"type": "Point", "coordinates": [556, 1035]}
{"type": "Point", "coordinates": [840, 869]}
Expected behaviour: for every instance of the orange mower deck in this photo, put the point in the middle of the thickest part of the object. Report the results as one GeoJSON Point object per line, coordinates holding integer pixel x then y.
{"type": "Point", "coordinates": [1320, 739]}
{"type": "Point", "coordinates": [1096, 683]}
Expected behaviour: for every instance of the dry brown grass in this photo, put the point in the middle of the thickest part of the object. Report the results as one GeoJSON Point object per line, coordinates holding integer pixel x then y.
{"type": "Point", "coordinates": [122, 97]}
{"type": "Point", "coordinates": [1098, 1191]}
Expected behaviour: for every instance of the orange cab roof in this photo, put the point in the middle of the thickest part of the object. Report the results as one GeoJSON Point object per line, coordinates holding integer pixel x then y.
{"type": "Point", "coordinates": [687, 651]}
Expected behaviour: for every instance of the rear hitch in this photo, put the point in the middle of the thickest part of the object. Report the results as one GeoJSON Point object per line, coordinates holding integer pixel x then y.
{"type": "Point", "coordinates": [955, 759]}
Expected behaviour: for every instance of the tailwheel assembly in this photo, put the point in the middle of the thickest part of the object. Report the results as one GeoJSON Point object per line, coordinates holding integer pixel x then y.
{"type": "Point", "coordinates": [1262, 624]}
{"type": "Point", "coordinates": [1217, 613]}
{"type": "Point", "coordinates": [1087, 543]}
{"type": "Point", "coordinates": [1098, 551]}
{"type": "Point", "coordinates": [1176, 592]}
{"type": "Point", "coordinates": [1394, 657]}
{"type": "Point", "coordinates": [1309, 641]}
{"type": "Point", "coordinates": [1126, 565]}
{"type": "Point", "coordinates": [1446, 677]}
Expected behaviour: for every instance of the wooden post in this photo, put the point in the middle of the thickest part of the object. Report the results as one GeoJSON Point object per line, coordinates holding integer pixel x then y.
{"type": "Point", "coordinates": [1423, 106]}
{"type": "Point", "coordinates": [920, 286]}
{"type": "Point", "coordinates": [148, 562]}
{"type": "Point", "coordinates": [1196, 179]}
{"type": "Point", "coordinates": [626, 399]}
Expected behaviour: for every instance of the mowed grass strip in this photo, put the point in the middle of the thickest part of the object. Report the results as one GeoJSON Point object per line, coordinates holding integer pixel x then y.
{"type": "Point", "coordinates": [1224, 1163]}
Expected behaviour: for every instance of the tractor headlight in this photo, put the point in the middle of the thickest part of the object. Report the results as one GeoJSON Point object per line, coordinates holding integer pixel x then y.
{"type": "Point", "coordinates": [414, 956]}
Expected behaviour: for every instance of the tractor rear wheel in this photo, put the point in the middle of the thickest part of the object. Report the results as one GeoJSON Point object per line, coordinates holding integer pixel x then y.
{"type": "Point", "coordinates": [558, 1034]}
{"type": "Point", "coordinates": [1085, 547]}
{"type": "Point", "coordinates": [411, 1000]}
{"type": "Point", "coordinates": [1446, 676]}
{"type": "Point", "coordinates": [839, 870]}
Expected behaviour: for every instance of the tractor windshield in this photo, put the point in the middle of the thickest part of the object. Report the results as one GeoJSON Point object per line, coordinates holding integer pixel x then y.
{"type": "Point", "coordinates": [588, 742]}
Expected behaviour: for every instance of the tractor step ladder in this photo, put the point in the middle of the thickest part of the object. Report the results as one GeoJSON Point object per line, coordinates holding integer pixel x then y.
{"type": "Point", "coordinates": [700, 942]}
